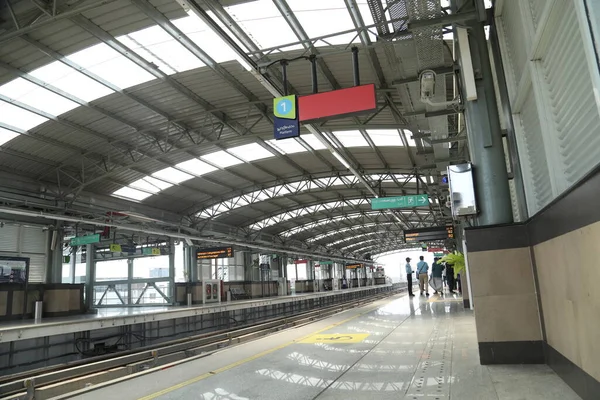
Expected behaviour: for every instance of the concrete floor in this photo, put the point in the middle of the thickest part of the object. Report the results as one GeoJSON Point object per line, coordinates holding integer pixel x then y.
{"type": "Point", "coordinates": [397, 348]}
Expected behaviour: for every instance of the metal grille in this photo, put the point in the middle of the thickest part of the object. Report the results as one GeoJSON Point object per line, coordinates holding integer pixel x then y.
{"type": "Point", "coordinates": [571, 97]}
{"type": "Point", "coordinates": [428, 40]}
{"type": "Point", "coordinates": [514, 201]}
{"type": "Point", "coordinates": [28, 242]}
{"type": "Point", "coordinates": [516, 45]}
{"type": "Point", "coordinates": [37, 267]}
{"type": "Point", "coordinates": [9, 238]}
{"type": "Point", "coordinates": [537, 8]}
{"type": "Point", "coordinates": [397, 9]}
{"type": "Point", "coordinates": [535, 162]}
{"type": "Point", "coordinates": [378, 16]}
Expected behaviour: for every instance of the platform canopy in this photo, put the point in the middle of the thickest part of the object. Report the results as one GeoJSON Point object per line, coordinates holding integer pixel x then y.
{"type": "Point", "coordinates": [161, 111]}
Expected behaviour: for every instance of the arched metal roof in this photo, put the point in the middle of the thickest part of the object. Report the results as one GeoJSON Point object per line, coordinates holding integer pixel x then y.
{"type": "Point", "coordinates": [169, 107]}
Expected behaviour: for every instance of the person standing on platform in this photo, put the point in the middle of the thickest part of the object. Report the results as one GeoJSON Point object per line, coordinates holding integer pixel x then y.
{"type": "Point", "coordinates": [450, 277]}
{"type": "Point", "coordinates": [422, 270]}
{"type": "Point", "coordinates": [409, 273]}
{"type": "Point", "coordinates": [436, 276]}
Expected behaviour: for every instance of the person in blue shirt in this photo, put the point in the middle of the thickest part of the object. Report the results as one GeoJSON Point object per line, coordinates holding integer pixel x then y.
{"type": "Point", "coordinates": [422, 270]}
{"type": "Point", "coordinates": [409, 273]}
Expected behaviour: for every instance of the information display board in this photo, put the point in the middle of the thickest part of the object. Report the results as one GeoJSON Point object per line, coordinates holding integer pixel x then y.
{"type": "Point", "coordinates": [14, 269]}
{"type": "Point", "coordinates": [429, 234]}
{"type": "Point", "coordinates": [354, 266]}
{"type": "Point", "coordinates": [214, 252]}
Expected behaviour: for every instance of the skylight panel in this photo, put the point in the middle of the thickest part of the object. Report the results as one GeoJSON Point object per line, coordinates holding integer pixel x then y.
{"type": "Point", "coordinates": [251, 152]}
{"type": "Point", "coordinates": [199, 33]}
{"type": "Point", "coordinates": [384, 137]}
{"type": "Point", "coordinates": [19, 118]}
{"type": "Point", "coordinates": [6, 136]}
{"type": "Point", "coordinates": [287, 146]}
{"type": "Point", "coordinates": [319, 18]}
{"type": "Point", "coordinates": [160, 48]}
{"type": "Point", "coordinates": [313, 142]}
{"type": "Point", "coordinates": [196, 167]}
{"type": "Point", "coordinates": [131, 194]}
{"type": "Point", "coordinates": [69, 80]}
{"type": "Point", "coordinates": [221, 159]}
{"type": "Point", "coordinates": [260, 19]}
{"type": "Point", "coordinates": [409, 139]}
{"type": "Point", "coordinates": [111, 66]}
{"type": "Point", "coordinates": [150, 184]}
{"type": "Point", "coordinates": [351, 138]}
{"type": "Point", "coordinates": [33, 95]}
{"type": "Point", "coordinates": [172, 175]}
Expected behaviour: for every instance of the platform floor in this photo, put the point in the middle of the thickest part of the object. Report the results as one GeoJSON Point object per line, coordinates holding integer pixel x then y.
{"type": "Point", "coordinates": [397, 348]}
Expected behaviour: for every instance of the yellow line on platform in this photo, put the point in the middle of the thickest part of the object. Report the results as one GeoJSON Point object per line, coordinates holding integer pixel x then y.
{"type": "Point", "coordinates": [252, 358]}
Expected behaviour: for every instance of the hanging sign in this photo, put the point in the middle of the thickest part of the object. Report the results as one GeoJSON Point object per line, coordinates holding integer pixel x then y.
{"type": "Point", "coordinates": [115, 248]}
{"type": "Point", "coordinates": [285, 121]}
{"type": "Point", "coordinates": [81, 240]}
{"type": "Point", "coordinates": [151, 251]}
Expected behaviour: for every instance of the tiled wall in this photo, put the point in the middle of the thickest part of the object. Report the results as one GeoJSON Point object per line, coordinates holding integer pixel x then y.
{"type": "Point", "coordinates": [536, 288]}
{"type": "Point", "coordinates": [569, 281]}
{"type": "Point", "coordinates": [504, 294]}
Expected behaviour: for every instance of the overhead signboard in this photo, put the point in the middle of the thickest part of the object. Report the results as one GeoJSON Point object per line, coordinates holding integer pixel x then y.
{"type": "Point", "coordinates": [285, 117]}
{"type": "Point", "coordinates": [354, 266]}
{"type": "Point", "coordinates": [83, 240]}
{"type": "Point", "coordinates": [429, 234]}
{"type": "Point", "coordinates": [325, 262]}
{"type": "Point", "coordinates": [386, 203]}
{"type": "Point", "coordinates": [115, 248]}
{"type": "Point", "coordinates": [215, 252]}
{"type": "Point", "coordinates": [337, 103]}
{"type": "Point", "coordinates": [151, 251]}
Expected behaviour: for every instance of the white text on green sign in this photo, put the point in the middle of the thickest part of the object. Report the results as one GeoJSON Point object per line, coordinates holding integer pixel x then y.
{"type": "Point", "coordinates": [89, 239]}
{"type": "Point", "coordinates": [384, 203]}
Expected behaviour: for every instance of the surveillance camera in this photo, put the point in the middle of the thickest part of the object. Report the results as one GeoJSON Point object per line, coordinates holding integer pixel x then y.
{"type": "Point", "coordinates": [427, 80]}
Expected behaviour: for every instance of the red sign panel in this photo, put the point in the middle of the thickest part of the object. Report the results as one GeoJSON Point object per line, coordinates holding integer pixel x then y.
{"type": "Point", "coordinates": [435, 249]}
{"type": "Point", "coordinates": [337, 103]}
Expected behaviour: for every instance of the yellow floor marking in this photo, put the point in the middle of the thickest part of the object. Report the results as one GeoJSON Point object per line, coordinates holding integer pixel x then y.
{"type": "Point", "coordinates": [254, 357]}
{"type": "Point", "coordinates": [336, 338]}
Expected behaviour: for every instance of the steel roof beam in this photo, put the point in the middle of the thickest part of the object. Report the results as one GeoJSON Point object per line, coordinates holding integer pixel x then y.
{"type": "Point", "coordinates": [126, 52]}
{"type": "Point", "coordinates": [300, 33]}
{"type": "Point", "coordinates": [269, 84]}
{"type": "Point", "coordinates": [58, 15]}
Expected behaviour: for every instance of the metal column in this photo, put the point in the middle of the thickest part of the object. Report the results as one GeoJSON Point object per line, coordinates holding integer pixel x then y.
{"type": "Point", "coordinates": [90, 276]}
{"type": "Point", "coordinates": [171, 293]}
{"type": "Point", "coordinates": [484, 132]}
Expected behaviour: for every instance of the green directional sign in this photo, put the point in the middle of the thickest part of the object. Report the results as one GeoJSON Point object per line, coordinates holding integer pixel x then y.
{"type": "Point", "coordinates": [82, 240]}
{"type": "Point", "coordinates": [385, 203]}
{"type": "Point", "coordinates": [325, 262]}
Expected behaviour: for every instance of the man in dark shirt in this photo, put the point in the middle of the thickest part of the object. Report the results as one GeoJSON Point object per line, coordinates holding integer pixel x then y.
{"type": "Point", "coordinates": [436, 276]}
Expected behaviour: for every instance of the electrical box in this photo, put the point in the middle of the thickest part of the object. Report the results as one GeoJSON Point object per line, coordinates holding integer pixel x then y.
{"type": "Point", "coordinates": [462, 190]}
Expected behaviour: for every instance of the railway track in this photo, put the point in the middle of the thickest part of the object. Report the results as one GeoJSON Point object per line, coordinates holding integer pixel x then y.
{"type": "Point", "coordinates": [61, 379]}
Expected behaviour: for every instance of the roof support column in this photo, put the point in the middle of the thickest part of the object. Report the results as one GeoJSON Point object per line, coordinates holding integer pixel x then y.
{"type": "Point", "coordinates": [484, 132]}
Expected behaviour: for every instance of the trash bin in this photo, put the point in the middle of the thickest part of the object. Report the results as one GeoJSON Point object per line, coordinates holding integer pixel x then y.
{"type": "Point", "coordinates": [37, 314]}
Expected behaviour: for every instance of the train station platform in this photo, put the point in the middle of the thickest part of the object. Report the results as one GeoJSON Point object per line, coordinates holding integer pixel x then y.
{"type": "Point", "coordinates": [124, 316]}
{"type": "Point", "coordinates": [395, 348]}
